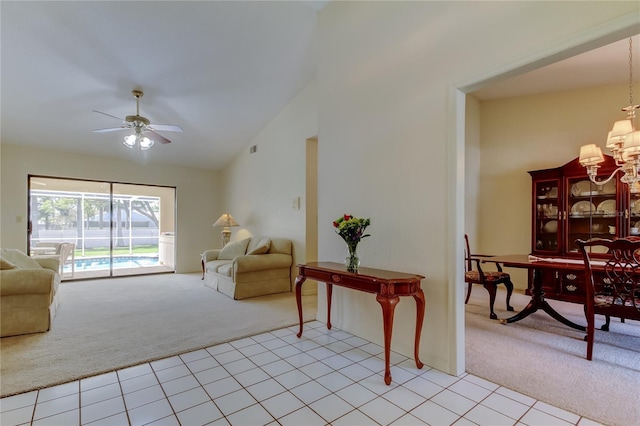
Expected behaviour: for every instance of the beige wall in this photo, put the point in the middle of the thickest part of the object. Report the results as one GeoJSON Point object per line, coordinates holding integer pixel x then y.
{"type": "Point", "coordinates": [472, 155]}
{"type": "Point", "coordinates": [198, 194]}
{"type": "Point", "coordinates": [389, 138]}
{"type": "Point", "coordinates": [260, 187]}
{"type": "Point", "coordinates": [530, 133]}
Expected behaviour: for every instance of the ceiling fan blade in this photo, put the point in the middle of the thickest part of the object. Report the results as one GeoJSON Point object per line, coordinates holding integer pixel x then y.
{"type": "Point", "coordinates": [108, 115]}
{"type": "Point", "coordinates": [158, 137]}
{"type": "Point", "coordinates": [166, 127]}
{"type": "Point", "coordinates": [110, 129]}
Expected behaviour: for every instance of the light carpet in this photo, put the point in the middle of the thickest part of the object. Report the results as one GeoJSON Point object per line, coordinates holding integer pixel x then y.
{"type": "Point", "coordinates": [103, 325]}
{"type": "Point", "coordinates": [546, 360]}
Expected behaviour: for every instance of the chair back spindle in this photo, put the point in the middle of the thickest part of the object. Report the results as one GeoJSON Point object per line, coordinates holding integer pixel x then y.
{"type": "Point", "coordinates": [612, 269]}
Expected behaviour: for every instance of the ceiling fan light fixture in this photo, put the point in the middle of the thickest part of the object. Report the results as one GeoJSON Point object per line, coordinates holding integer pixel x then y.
{"type": "Point", "coordinates": [146, 143]}
{"type": "Point", "coordinates": [129, 141]}
{"type": "Point", "coordinates": [139, 125]}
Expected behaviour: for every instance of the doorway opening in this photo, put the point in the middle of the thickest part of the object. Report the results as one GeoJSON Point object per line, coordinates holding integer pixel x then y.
{"type": "Point", "coordinates": [101, 229]}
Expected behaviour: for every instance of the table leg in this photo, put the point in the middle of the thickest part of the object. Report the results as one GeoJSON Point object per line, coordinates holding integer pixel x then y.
{"type": "Point", "coordinates": [538, 302]}
{"type": "Point", "coordinates": [299, 281]}
{"type": "Point", "coordinates": [202, 261]}
{"type": "Point", "coordinates": [329, 293]}
{"type": "Point", "coordinates": [420, 305]}
{"type": "Point", "coordinates": [388, 304]}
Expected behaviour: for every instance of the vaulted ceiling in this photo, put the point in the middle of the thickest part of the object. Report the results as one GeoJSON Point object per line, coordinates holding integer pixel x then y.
{"type": "Point", "coordinates": [219, 69]}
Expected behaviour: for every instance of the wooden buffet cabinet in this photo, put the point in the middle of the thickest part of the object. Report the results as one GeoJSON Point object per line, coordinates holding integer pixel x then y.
{"type": "Point", "coordinates": [567, 206]}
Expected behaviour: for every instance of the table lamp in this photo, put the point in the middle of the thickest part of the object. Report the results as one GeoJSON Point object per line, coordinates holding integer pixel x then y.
{"type": "Point", "coordinates": [227, 221]}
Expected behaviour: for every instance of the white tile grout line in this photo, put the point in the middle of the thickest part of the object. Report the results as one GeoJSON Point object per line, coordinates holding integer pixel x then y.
{"type": "Point", "coordinates": [368, 354]}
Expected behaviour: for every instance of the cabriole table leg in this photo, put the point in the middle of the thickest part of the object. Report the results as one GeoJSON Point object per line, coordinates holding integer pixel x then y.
{"type": "Point", "coordinates": [388, 304]}
{"type": "Point", "coordinates": [299, 280]}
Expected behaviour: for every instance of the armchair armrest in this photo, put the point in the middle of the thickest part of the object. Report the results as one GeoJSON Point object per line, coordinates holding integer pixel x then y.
{"type": "Point", "coordinates": [261, 262]}
{"type": "Point", "coordinates": [52, 263]}
{"type": "Point", "coordinates": [210, 255]}
{"type": "Point", "coordinates": [26, 281]}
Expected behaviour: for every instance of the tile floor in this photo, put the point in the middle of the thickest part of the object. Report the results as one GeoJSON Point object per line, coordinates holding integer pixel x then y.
{"type": "Point", "coordinates": [326, 377]}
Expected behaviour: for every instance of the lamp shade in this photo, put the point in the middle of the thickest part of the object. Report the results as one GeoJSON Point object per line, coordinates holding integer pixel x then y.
{"type": "Point", "coordinates": [621, 128]}
{"type": "Point", "coordinates": [614, 142]}
{"type": "Point", "coordinates": [226, 220]}
{"type": "Point", "coordinates": [631, 145]}
{"type": "Point", "coordinates": [590, 155]}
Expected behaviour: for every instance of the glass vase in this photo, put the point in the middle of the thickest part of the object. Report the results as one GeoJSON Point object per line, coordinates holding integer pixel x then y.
{"type": "Point", "coordinates": [352, 261]}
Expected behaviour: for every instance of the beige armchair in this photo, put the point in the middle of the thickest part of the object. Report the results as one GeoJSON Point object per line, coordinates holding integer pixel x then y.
{"type": "Point", "coordinates": [28, 293]}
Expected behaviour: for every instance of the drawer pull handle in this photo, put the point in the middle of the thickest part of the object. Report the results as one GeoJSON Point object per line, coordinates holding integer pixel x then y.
{"type": "Point", "coordinates": [571, 288]}
{"type": "Point", "coordinates": [571, 277]}
{"type": "Point", "coordinates": [335, 278]}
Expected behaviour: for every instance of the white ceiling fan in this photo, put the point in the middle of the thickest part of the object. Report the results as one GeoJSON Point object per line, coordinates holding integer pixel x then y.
{"type": "Point", "coordinates": [144, 133]}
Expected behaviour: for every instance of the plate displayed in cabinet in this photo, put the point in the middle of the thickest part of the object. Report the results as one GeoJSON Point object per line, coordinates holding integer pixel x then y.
{"type": "Point", "coordinates": [608, 207]}
{"type": "Point", "coordinates": [583, 186]}
{"type": "Point", "coordinates": [551, 227]}
{"type": "Point", "coordinates": [583, 207]}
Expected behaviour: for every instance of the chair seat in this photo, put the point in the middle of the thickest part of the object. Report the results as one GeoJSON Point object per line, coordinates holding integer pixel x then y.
{"type": "Point", "coordinates": [602, 300]}
{"type": "Point", "coordinates": [489, 276]}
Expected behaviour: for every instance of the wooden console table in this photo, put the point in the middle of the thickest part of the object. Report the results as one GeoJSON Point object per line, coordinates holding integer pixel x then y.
{"type": "Point", "coordinates": [387, 285]}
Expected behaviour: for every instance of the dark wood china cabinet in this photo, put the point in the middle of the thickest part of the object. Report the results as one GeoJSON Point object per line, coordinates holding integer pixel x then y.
{"type": "Point", "coordinates": [567, 206]}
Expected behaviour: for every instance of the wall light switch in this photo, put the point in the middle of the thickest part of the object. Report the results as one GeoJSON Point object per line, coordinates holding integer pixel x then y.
{"type": "Point", "coordinates": [296, 203]}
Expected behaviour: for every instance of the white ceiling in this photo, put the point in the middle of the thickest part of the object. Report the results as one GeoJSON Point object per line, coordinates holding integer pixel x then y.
{"type": "Point", "coordinates": [599, 67]}
{"type": "Point", "coordinates": [220, 69]}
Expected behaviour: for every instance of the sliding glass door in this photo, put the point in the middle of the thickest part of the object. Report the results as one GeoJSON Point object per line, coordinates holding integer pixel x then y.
{"type": "Point", "coordinates": [116, 229]}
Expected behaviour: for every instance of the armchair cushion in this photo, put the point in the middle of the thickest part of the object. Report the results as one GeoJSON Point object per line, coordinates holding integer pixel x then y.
{"type": "Point", "coordinates": [19, 259]}
{"type": "Point", "coordinates": [231, 250]}
{"type": "Point", "coordinates": [5, 264]}
{"type": "Point", "coordinates": [261, 246]}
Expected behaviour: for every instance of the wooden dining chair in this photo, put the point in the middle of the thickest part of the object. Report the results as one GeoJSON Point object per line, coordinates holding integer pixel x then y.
{"type": "Point", "coordinates": [488, 279]}
{"type": "Point", "coordinates": [615, 291]}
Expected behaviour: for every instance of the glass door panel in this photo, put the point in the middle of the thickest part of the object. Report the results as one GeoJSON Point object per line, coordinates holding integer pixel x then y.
{"type": "Point", "coordinates": [593, 211]}
{"type": "Point", "coordinates": [547, 223]}
{"type": "Point", "coordinates": [116, 228]}
{"type": "Point", "coordinates": [143, 227]}
{"type": "Point", "coordinates": [634, 209]}
{"type": "Point", "coordinates": [71, 211]}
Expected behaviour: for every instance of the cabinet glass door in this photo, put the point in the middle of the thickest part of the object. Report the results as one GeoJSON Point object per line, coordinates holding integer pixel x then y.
{"type": "Point", "coordinates": [634, 209]}
{"type": "Point", "coordinates": [592, 211]}
{"type": "Point", "coordinates": [547, 216]}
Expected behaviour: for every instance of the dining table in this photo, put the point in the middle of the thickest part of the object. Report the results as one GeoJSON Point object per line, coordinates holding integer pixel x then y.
{"type": "Point", "coordinates": [536, 265]}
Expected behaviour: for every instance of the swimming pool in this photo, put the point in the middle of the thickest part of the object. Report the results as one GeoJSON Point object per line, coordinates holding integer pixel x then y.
{"type": "Point", "coordinates": [119, 262]}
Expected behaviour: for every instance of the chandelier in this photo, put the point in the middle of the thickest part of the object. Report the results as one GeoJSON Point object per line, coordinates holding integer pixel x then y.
{"type": "Point", "coordinates": [623, 140]}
